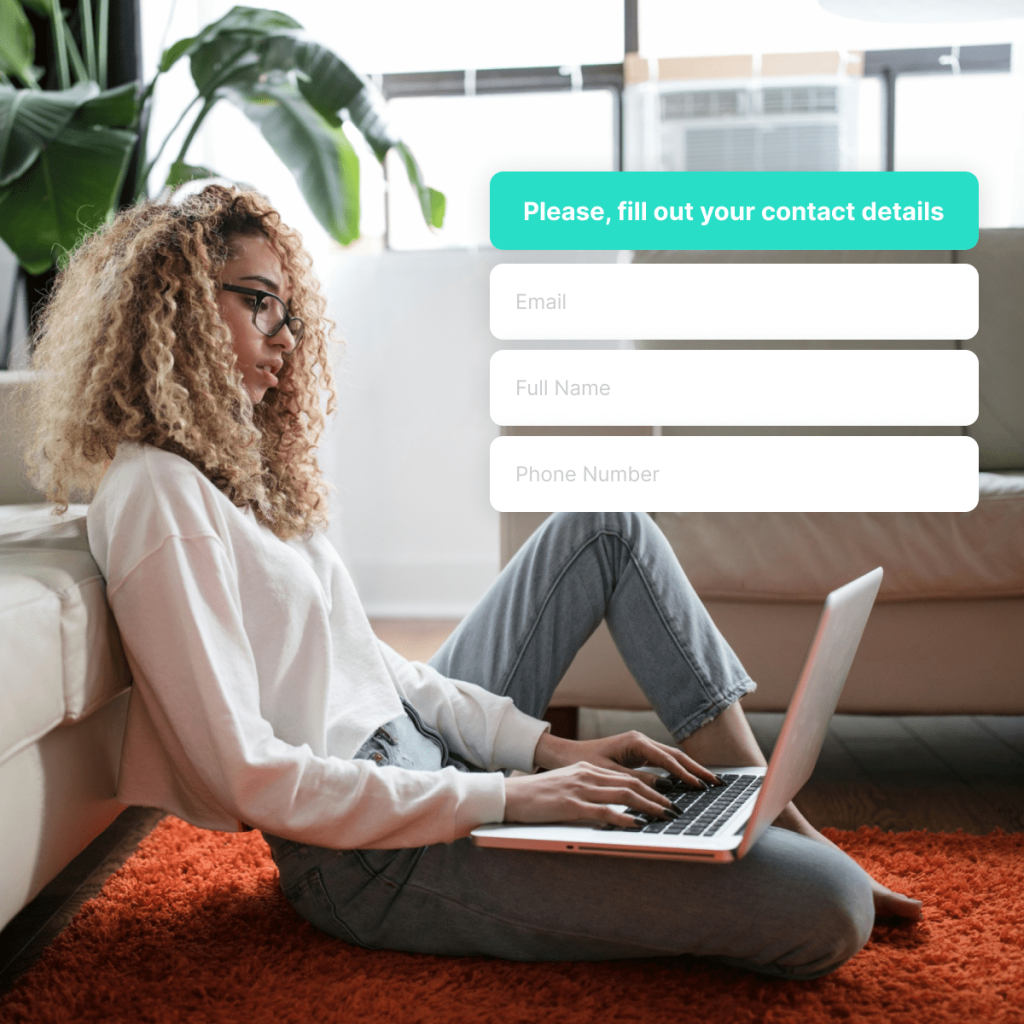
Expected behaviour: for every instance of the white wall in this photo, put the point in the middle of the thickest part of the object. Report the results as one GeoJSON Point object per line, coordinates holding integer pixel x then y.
{"type": "Point", "coordinates": [408, 451]}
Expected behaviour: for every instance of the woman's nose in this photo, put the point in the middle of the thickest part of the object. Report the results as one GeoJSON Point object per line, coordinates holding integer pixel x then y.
{"type": "Point", "coordinates": [285, 339]}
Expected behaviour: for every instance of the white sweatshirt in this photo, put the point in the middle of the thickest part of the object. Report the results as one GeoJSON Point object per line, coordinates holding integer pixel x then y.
{"type": "Point", "coordinates": [257, 677]}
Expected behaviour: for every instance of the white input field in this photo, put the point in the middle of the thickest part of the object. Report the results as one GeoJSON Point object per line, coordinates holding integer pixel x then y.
{"type": "Point", "coordinates": [790, 387]}
{"type": "Point", "coordinates": [734, 301]}
{"type": "Point", "coordinates": [734, 474]}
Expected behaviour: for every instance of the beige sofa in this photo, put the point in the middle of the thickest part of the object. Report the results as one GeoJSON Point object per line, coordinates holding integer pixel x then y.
{"type": "Point", "coordinates": [63, 685]}
{"type": "Point", "coordinates": [947, 635]}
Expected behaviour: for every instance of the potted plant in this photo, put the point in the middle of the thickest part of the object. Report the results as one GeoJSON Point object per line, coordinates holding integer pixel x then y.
{"type": "Point", "coordinates": [65, 149]}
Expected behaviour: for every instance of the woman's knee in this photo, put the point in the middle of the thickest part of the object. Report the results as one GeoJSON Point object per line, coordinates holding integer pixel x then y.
{"type": "Point", "coordinates": [627, 526]}
{"type": "Point", "coordinates": [808, 906]}
{"type": "Point", "coordinates": [839, 917]}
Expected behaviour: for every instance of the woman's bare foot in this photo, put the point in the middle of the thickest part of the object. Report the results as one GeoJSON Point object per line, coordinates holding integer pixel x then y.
{"type": "Point", "coordinates": [894, 904]}
{"type": "Point", "coordinates": [888, 904]}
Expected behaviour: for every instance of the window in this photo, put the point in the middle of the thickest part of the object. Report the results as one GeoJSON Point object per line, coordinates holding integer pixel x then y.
{"type": "Point", "coordinates": [965, 123]}
{"type": "Point", "coordinates": [800, 123]}
{"type": "Point", "coordinates": [461, 141]}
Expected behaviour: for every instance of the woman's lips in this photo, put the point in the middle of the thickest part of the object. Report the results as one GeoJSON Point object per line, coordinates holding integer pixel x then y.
{"type": "Point", "coordinates": [267, 377]}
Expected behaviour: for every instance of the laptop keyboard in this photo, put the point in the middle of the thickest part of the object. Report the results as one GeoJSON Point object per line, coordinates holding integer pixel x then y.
{"type": "Point", "coordinates": [701, 812]}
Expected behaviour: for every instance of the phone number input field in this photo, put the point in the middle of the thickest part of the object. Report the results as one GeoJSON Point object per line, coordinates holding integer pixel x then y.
{"type": "Point", "coordinates": [734, 301]}
{"type": "Point", "coordinates": [734, 474]}
{"type": "Point", "coordinates": [785, 387]}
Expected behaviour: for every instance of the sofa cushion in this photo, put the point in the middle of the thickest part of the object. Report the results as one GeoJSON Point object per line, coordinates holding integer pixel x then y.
{"type": "Point", "coordinates": [29, 634]}
{"type": "Point", "coordinates": [801, 556]}
{"type": "Point", "coordinates": [999, 344]}
{"type": "Point", "coordinates": [62, 652]}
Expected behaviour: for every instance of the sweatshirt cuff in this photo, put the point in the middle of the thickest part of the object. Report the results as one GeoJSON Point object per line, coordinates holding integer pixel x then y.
{"type": "Point", "coordinates": [482, 803]}
{"type": "Point", "coordinates": [516, 739]}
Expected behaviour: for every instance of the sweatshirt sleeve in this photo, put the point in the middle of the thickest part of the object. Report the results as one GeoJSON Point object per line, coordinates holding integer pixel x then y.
{"type": "Point", "coordinates": [197, 682]}
{"type": "Point", "coordinates": [486, 729]}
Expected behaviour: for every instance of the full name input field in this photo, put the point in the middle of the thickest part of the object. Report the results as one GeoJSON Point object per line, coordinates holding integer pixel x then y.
{"type": "Point", "coordinates": [734, 301]}
{"type": "Point", "coordinates": [713, 387]}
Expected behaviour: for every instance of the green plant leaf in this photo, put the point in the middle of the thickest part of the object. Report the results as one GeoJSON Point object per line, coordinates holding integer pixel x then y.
{"type": "Point", "coordinates": [43, 7]}
{"type": "Point", "coordinates": [112, 108]}
{"type": "Point", "coordinates": [297, 92]}
{"type": "Point", "coordinates": [70, 190]}
{"type": "Point", "coordinates": [327, 81]}
{"type": "Point", "coordinates": [181, 172]}
{"type": "Point", "coordinates": [226, 61]}
{"type": "Point", "coordinates": [432, 202]}
{"type": "Point", "coordinates": [330, 85]}
{"type": "Point", "coordinates": [254, 20]}
{"type": "Point", "coordinates": [368, 111]}
{"type": "Point", "coordinates": [174, 53]}
{"type": "Point", "coordinates": [17, 41]}
{"type": "Point", "coordinates": [248, 21]}
{"type": "Point", "coordinates": [30, 119]}
{"type": "Point", "coordinates": [319, 155]}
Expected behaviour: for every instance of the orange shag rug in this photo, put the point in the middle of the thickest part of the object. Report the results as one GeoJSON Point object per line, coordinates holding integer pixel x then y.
{"type": "Point", "coordinates": [194, 928]}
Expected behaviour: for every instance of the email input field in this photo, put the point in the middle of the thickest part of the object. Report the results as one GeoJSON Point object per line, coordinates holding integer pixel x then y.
{"type": "Point", "coordinates": [734, 301]}
{"type": "Point", "coordinates": [787, 387]}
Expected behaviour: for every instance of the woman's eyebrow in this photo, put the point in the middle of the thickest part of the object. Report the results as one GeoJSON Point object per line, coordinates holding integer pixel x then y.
{"type": "Point", "coordinates": [272, 285]}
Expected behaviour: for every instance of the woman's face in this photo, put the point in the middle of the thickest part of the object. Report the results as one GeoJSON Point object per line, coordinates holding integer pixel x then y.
{"type": "Point", "coordinates": [254, 264]}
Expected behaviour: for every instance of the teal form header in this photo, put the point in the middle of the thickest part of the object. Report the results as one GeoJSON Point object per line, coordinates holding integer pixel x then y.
{"type": "Point", "coordinates": [734, 210]}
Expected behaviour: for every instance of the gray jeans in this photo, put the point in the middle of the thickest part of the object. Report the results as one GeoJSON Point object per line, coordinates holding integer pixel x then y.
{"type": "Point", "coordinates": [792, 907]}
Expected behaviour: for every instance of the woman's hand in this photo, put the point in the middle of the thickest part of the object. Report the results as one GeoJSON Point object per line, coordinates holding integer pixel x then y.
{"type": "Point", "coordinates": [582, 792]}
{"type": "Point", "coordinates": [623, 753]}
{"type": "Point", "coordinates": [589, 776]}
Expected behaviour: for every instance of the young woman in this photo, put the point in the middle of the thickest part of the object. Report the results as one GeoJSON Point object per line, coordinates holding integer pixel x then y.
{"type": "Point", "coordinates": [182, 360]}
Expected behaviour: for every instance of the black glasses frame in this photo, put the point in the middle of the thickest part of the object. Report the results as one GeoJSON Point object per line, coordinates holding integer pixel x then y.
{"type": "Point", "coordinates": [295, 323]}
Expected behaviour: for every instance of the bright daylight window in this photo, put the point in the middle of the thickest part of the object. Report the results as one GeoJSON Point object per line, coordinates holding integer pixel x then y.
{"type": "Point", "coordinates": [964, 123]}
{"type": "Point", "coordinates": [944, 120]}
{"type": "Point", "coordinates": [461, 141]}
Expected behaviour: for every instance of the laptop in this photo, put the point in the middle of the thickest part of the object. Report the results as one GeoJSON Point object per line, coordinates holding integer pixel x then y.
{"type": "Point", "coordinates": [722, 824]}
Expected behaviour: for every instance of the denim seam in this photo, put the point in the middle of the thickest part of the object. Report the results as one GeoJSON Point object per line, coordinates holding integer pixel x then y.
{"type": "Point", "coordinates": [306, 884]}
{"type": "Point", "coordinates": [374, 875]}
{"type": "Point", "coordinates": [425, 730]}
{"type": "Point", "coordinates": [514, 667]}
{"type": "Point", "coordinates": [714, 703]}
{"type": "Point", "coordinates": [680, 644]}
{"type": "Point", "coordinates": [635, 561]}
{"type": "Point", "coordinates": [382, 875]}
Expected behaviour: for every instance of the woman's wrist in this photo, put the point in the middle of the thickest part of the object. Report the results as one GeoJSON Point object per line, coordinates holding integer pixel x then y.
{"type": "Point", "coordinates": [553, 751]}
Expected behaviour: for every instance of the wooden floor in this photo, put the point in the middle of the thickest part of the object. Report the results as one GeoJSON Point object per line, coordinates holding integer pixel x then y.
{"type": "Point", "coordinates": [937, 773]}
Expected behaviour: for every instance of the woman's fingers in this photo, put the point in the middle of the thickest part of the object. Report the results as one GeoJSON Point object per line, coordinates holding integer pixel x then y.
{"type": "Point", "coordinates": [581, 791]}
{"type": "Point", "coordinates": [611, 786]}
{"type": "Point", "coordinates": [643, 801]}
{"type": "Point", "coordinates": [636, 747]}
{"type": "Point", "coordinates": [682, 765]}
{"type": "Point", "coordinates": [607, 815]}
{"type": "Point", "coordinates": [622, 753]}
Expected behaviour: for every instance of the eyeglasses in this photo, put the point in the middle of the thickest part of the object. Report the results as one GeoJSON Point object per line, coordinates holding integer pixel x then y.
{"type": "Point", "coordinates": [269, 312]}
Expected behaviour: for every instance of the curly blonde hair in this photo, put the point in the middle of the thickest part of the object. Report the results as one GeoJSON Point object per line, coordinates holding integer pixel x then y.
{"type": "Point", "coordinates": [131, 347]}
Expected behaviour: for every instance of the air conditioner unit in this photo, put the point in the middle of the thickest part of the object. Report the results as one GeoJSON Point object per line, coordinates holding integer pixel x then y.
{"type": "Point", "coordinates": [805, 123]}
